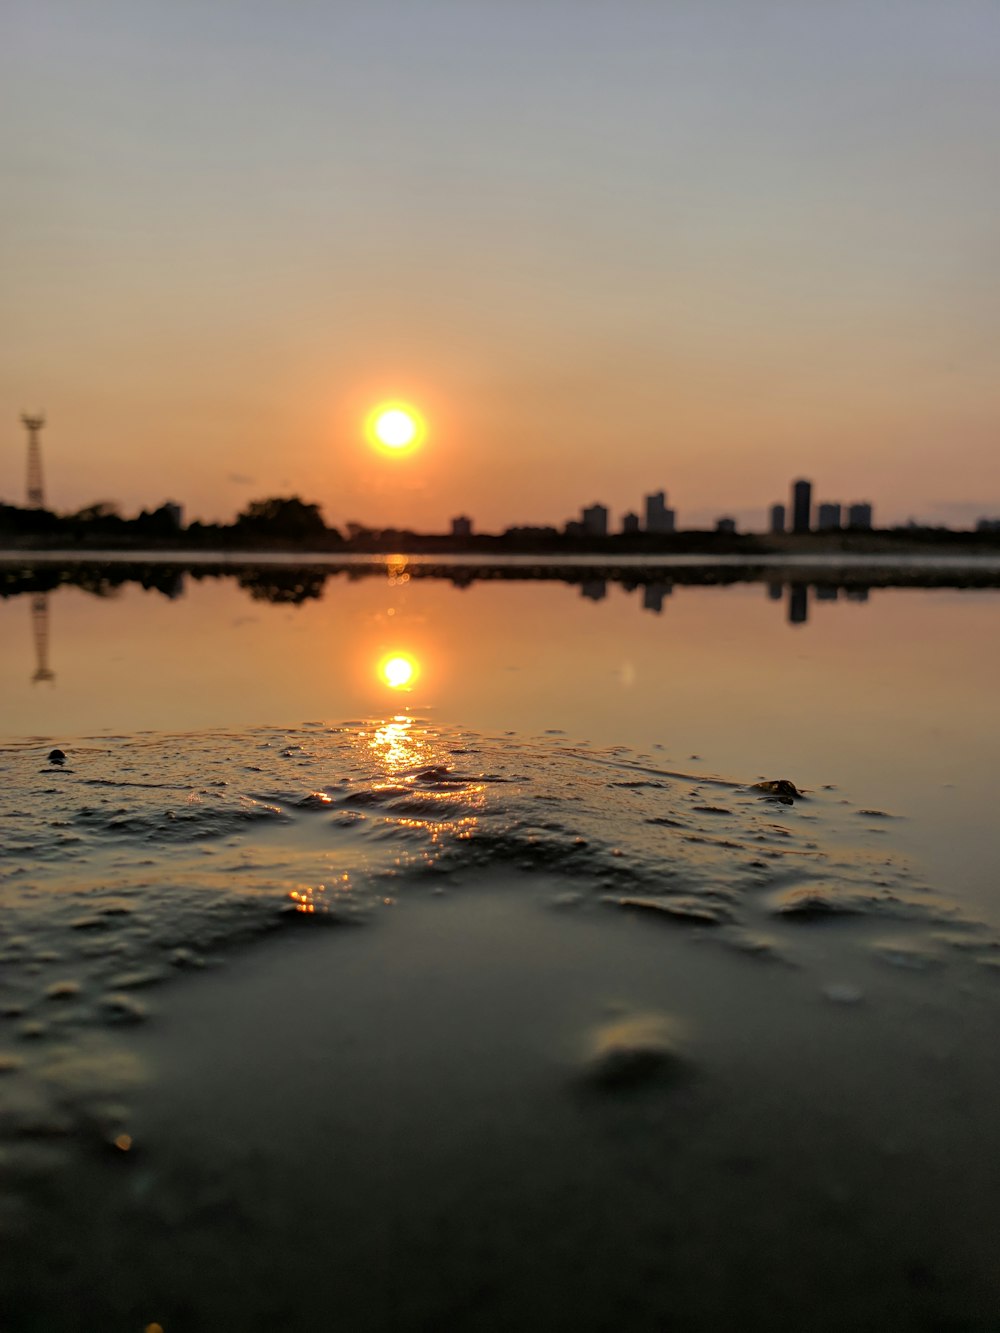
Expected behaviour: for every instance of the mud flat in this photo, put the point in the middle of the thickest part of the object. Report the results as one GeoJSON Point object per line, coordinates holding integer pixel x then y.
{"type": "Point", "coordinates": [386, 1026]}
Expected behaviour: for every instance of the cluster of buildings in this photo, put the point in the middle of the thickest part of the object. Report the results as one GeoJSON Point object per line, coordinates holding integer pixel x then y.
{"type": "Point", "coordinates": [658, 517]}
{"type": "Point", "coordinates": [593, 521]}
{"type": "Point", "coordinates": [830, 515]}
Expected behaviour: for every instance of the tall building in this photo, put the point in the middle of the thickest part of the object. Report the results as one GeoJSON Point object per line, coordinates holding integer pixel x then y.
{"type": "Point", "coordinates": [801, 506]}
{"type": "Point", "coordinates": [461, 526]}
{"type": "Point", "coordinates": [859, 515]}
{"type": "Point", "coordinates": [595, 520]}
{"type": "Point", "coordinates": [658, 517]}
{"type": "Point", "coordinates": [828, 517]}
{"type": "Point", "coordinates": [630, 524]}
{"type": "Point", "coordinates": [777, 518]}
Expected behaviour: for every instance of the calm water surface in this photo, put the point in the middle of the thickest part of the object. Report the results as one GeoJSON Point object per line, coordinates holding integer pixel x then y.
{"type": "Point", "coordinates": [888, 693]}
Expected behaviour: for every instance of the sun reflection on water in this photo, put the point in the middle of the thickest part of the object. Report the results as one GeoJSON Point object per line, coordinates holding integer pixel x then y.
{"type": "Point", "coordinates": [395, 568]}
{"type": "Point", "coordinates": [398, 744]}
{"type": "Point", "coordinates": [312, 898]}
{"type": "Point", "coordinates": [425, 792]}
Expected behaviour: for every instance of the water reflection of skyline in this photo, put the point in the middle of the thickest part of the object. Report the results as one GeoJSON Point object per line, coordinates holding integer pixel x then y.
{"type": "Point", "coordinates": [292, 584]}
{"type": "Point", "coordinates": [798, 597]}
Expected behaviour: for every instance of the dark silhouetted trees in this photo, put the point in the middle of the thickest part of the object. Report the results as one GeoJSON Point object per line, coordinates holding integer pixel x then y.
{"type": "Point", "coordinates": [283, 520]}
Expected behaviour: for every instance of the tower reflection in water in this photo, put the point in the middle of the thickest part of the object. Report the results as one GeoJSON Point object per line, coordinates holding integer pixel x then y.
{"type": "Point", "coordinates": [40, 634]}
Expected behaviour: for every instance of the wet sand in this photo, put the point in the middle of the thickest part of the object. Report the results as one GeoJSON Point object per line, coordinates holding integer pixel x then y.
{"type": "Point", "coordinates": [536, 1065]}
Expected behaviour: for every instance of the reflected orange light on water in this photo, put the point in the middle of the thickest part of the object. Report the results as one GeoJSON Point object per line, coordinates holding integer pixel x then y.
{"type": "Point", "coordinates": [395, 568]}
{"type": "Point", "coordinates": [418, 770]}
{"type": "Point", "coordinates": [399, 745]}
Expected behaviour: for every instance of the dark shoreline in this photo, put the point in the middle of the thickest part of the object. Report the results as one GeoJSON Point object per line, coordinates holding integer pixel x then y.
{"type": "Point", "coordinates": [280, 576]}
{"type": "Point", "coordinates": [933, 543]}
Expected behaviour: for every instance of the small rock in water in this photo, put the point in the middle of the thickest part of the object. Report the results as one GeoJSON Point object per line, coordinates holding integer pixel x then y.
{"type": "Point", "coordinates": [57, 757]}
{"type": "Point", "coordinates": [779, 788]}
{"type": "Point", "coordinates": [633, 1052]}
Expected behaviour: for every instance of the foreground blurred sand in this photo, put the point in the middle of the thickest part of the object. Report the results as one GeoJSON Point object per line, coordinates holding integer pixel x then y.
{"type": "Point", "coordinates": [408, 1125]}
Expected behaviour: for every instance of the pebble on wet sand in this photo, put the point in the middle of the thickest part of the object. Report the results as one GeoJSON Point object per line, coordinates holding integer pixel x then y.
{"type": "Point", "coordinates": [633, 1052]}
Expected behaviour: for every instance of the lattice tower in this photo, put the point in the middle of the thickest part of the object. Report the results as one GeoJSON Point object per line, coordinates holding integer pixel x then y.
{"type": "Point", "coordinates": [36, 490]}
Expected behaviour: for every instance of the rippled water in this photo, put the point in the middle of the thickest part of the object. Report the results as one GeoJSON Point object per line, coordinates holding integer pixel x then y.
{"type": "Point", "coordinates": [147, 851]}
{"type": "Point", "coordinates": [395, 1023]}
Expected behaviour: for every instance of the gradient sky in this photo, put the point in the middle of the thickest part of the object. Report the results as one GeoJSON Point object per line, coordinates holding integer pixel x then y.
{"type": "Point", "coordinates": [608, 246]}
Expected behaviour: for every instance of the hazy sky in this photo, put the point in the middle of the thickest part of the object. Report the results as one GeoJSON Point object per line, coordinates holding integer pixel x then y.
{"type": "Point", "coordinates": [608, 246]}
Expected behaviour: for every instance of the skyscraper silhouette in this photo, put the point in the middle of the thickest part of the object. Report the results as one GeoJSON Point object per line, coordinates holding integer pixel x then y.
{"type": "Point", "coordinates": [659, 518]}
{"type": "Point", "coordinates": [801, 506]}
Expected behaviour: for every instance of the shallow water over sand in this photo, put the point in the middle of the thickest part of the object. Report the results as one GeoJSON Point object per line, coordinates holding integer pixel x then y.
{"type": "Point", "coordinates": [535, 1019]}
{"type": "Point", "coordinates": [532, 1020]}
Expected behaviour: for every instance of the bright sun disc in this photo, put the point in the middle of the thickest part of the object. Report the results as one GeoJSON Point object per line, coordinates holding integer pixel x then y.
{"type": "Point", "coordinates": [398, 670]}
{"type": "Point", "coordinates": [396, 428]}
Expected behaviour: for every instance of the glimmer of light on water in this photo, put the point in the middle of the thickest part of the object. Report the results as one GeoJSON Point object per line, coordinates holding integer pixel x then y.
{"type": "Point", "coordinates": [399, 670]}
{"type": "Point", "coordinates": [399, 744]}
{"type": "Point", "coordinates": [395, 428]}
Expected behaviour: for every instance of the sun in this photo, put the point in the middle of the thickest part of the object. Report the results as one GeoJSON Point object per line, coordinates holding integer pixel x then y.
{"type": "Point", "coordinates": [395, 428]}
{"type": "Point", "coordinates": [398, 670]}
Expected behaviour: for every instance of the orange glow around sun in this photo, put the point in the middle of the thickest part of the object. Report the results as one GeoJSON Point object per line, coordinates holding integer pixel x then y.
{"type": "Point", "coordinates": [399, 670]}
{"type": "Point", "coordinates": [395, 428]}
